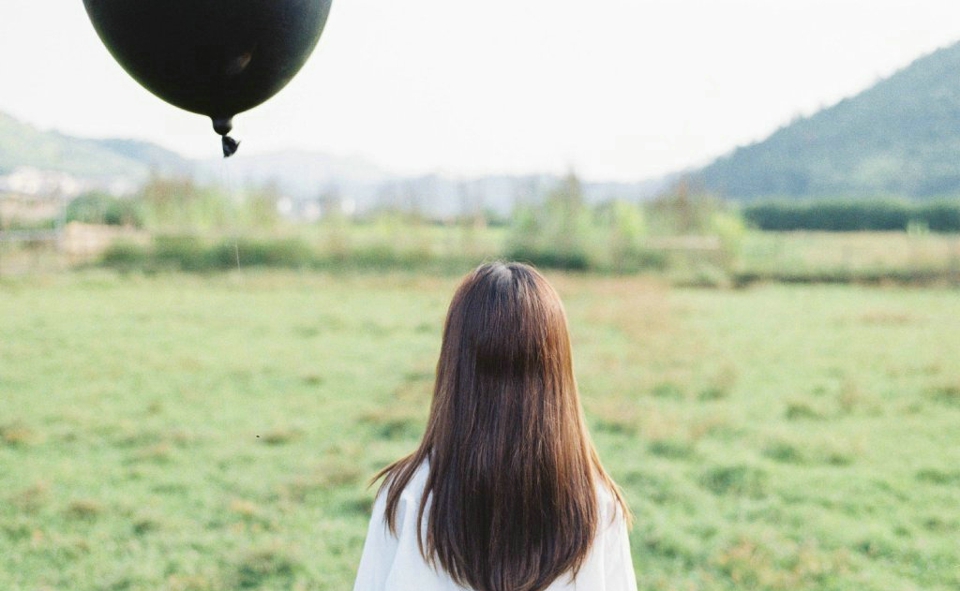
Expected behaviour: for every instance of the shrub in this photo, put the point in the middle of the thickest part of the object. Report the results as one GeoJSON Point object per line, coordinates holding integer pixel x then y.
{"type": "Point", "coordinates": [180, 204]}
{"type": "Point", "coordinates": [853, 215]}
{"type": "Point", "coordinates": [940, 216]}
{"type": "Point", "coordinates": [555, 234]}
{"type": "Point", "coordinates": [183, 252]}
{"type": "Point", "coordinates": [101, 208]}
{"type": "Point", "coordinates": [126, 256]}
{"type": "Point", "coordinates": [283, 253]}
{"type": "Point", "coordinates": [552, 259]}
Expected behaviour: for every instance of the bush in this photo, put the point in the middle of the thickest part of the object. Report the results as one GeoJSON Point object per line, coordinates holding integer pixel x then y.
{"type": "Point", "coordinates": [853, 216]}
{"type": "Point", "coordinates": [554, 235]}
{"type": "Point", "coordinates": [551, 259]}
{"type": "Point", "coordinates": [286, 253]}
{"type": "Point", "coordinates": [182, 252]}
{"type": "Point", "coordinates": [101, 208]}
{"type": "Point", "coordinates": [683, 213]}
{"type": "Point", "coordinates": [126, 256]}
{"type": "Point", "coordinates": [181, 205]}
{"type": "Point", "coordinates": [940, 216]}
{"type": "Point", "coordinates": [190, 253]}
{"type": "Point", "coordinates": [625, 227]}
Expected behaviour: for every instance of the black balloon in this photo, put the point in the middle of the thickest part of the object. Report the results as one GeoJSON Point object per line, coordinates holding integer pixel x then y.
{"type": "Point", "coordinates": [213, 57]}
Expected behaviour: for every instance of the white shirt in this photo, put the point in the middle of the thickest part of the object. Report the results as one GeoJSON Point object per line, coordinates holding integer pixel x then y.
{"type": "Point", "coordinates": [395, 564]}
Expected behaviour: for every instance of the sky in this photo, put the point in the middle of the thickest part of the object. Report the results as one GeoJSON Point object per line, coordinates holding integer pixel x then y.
{"type": "Point", "coordinates": [612, 89]}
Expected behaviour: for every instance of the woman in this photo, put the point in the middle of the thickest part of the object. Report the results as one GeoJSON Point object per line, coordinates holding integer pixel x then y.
{"type": "Point", "coordinates": [506, 491]}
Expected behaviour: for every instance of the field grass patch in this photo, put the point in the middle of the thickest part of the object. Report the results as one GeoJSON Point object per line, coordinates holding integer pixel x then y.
{"type": "Point", "coordinates": [280, 435]}
{"type": "Point", "coordinates": [808, 448]}
{"type": "Point", "coordinates": [784, 452]}
{"type": "Point", "coordinates": [395, 421]}
{"type": "Point", "coordinates": [938, 476]}
{"type": "Point", "coordinates": [274, 567]}
{"type": "Point", "coordinates": [84, 509]}
{"type": "Point", "coordinates": [31, 498]}
{"type": "Point", "coordinates": [946, 393]}
{"type": "Point", "coordinates": [780, 564]}
{"type": "Point", "coordinates": [803, 411]}
{"type": "Point", "coordinates": [18, 434]}
{"type": "Point", "coordinates": [737, 480]}
{"type": "Point", "coordinates": [667, 390]}
{"type": "Point", "coordinates": [672, 449]}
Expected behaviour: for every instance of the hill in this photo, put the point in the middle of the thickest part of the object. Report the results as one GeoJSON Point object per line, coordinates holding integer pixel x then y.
{"type": "Point", "coordinates": [306, 176]}
{"type": "Point", "coordinates": [97, 161]}
{"type": "Point", "coordinates": [301, 175]}
{"type": "Point", "coordinates": [901, 137]}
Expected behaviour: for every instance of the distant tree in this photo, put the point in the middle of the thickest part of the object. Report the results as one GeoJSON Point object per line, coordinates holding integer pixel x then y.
{"type": "Point", "coordinates": [555, 234]}
{"type": "Point", "coordinates": [625, 228]}
{"type": "Point", "coordinates": [683, 212]}
{"type": "Point", "coordinates": [97, 207]}
{"type": "Point", "coordinates": [845, 215]}
{"type": "Point", "coordinates": [898, 138]}
{"type": "Point", "coordinates": [180, 205]}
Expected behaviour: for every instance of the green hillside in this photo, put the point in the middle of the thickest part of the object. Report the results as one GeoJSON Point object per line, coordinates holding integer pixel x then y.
{"type": "Point", "coordinates": [22, 144]}
{"type": "Point", "coordinates": [900, 137]}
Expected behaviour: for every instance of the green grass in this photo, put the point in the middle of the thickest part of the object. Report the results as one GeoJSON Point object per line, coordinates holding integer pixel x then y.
{"type": "Point", "coordinates": [179, 432]}
{"type": "Point", "coordinates": [850, 257]}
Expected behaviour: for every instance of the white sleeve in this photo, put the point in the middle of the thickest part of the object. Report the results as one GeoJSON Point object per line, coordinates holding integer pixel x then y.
{"type": "Point", "coordinates": [394, 563]}
{"type": "Point", "coordinates": [618, 565]}
{"type": "Point", "coordinates": [379, 551]}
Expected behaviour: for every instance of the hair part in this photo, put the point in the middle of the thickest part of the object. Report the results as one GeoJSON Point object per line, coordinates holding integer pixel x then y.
{"type": "Point", "coordinates": [513, 474]}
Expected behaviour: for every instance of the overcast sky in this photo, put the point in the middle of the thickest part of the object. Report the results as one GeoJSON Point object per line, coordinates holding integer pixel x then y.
{"type": "Point", "coordinates": [616, 89]}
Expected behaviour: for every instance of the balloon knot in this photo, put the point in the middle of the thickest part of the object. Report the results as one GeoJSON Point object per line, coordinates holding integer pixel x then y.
{"type": "Point", "coordinates": [230, 146]}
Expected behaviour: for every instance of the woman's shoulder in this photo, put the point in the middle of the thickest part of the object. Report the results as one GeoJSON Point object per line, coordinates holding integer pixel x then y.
{"type": "Point", "coordinates": [608, 502]}
{"type": "Point", "coordinates": [418, 481]}
{"type": "Point", "coordinates": [413, 489]}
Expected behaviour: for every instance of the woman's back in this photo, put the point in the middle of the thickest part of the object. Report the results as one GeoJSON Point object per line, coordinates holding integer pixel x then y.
{"type": "Point", "coordinates": [394, 562]}
{"type": "Point", "coordinates": [505, 491]}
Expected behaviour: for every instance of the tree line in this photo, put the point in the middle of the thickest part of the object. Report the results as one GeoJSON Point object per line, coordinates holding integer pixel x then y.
{"type": "Point", "coordinates": [854, 215]}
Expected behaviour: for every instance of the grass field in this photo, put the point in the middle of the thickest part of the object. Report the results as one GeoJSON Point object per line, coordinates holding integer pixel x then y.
{"type": "Point", "coordinates": [185, 433]}
{"type": "Point", "coordinates": [892, 257]}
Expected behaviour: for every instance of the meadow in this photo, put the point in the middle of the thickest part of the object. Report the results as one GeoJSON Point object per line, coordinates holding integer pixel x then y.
{"type": "Point", "coordinates": [186, 432]}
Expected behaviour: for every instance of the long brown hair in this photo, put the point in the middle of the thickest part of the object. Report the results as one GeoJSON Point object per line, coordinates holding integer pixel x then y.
{"type": "Point", "coordinates": [513, 474]}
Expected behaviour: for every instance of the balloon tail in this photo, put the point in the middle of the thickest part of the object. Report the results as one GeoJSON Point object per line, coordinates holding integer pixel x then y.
{"type": "Point", "coordinates": [223, 126]}
{"type": "Point", "coordinates": [230, 146]}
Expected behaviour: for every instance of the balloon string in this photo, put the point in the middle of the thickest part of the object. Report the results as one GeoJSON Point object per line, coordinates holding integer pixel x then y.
{"type": "Point", "coordinates": [227, 182]}
{"type": "Point", "coordinates": [230, 146]}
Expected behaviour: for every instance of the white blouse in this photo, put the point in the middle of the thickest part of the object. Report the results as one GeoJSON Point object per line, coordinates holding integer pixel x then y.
{"type": "Point", "coordinates": [395, 564]}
